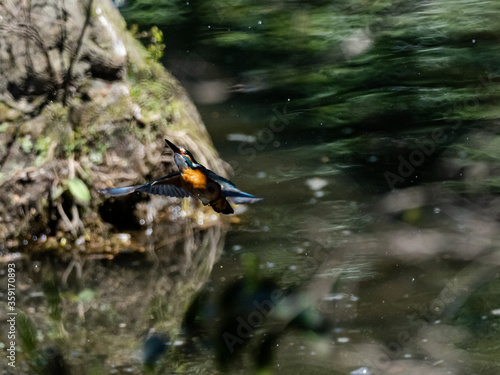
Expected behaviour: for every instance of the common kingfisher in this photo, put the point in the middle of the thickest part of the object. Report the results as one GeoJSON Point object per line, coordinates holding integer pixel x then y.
{"type": "Point", "coordinates": [193, 179]}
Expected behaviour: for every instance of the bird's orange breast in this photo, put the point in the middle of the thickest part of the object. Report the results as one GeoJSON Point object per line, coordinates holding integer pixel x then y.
{"type": "Point", "coordinates": [194, 178]}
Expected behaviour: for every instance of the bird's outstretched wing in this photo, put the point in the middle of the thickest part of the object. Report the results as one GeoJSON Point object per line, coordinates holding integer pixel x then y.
{"type": "Point", "coordinates": [224, 182]}
{"type": "Point", "coordinates": [169, 186]}
{"type": "Point", "coordinates": [118, 192]}
{"type": "Point", "coordinates": [232, 192]}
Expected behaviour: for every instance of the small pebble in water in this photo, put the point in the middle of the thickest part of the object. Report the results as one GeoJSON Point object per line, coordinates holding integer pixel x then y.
{"type": "Point", "coordinates": [123, 237]}
{"type": "Point", "coordinates": [36, 266]}
{"type": "Point", "coordinates": [361, 371]}
{"type": "Point", "coordinates": [316, 183]}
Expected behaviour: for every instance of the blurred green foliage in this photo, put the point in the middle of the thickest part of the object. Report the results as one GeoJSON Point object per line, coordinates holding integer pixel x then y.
{"type": "Point", "coordinates": [27, 333]}
{"type": "Point", "coordinates": [152, 12]}
{"type": "Point", "coordinates": [152, 39]}
{"type": "Point", "coordinates": [352, 69]}
{"type": "Point", "coordinates": [51, 290]}
{"type": "Point", "coordinates": [382, 64]}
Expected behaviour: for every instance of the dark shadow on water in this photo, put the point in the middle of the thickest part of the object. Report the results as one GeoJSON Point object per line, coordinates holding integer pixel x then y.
{"type": "Point", "coordinates": [97, 316]}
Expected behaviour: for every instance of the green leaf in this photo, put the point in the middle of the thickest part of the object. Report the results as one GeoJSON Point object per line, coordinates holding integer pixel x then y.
{"type": "Point", "coordinates": [86, 295]}
{"type": "Point", "coordinates": [57, 191]}
{"type": "Point", "coordinates": [78, 189]}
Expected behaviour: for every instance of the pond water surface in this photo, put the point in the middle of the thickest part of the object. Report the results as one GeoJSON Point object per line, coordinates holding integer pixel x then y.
{"type": "Point", "coordinates": [337, 270]}
{"type": "Point", "coordinates": [328, 274]}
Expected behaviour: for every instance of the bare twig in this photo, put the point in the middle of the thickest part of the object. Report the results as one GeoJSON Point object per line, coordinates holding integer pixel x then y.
{"type": "Point", "coordinates": [76, 53]}
{"type": "Point", "coordinates": [67, 222]}
{"type": "Point", "coordinates": [76, 264]}
{"type": "Point", "coordinates": [9, 7]}
{"type": "Point", "coordinates": [29, 61]}
{"type": "Point", "coordinates": [71, 167]}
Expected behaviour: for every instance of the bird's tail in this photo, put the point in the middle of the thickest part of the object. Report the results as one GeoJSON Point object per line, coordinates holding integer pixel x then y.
{"type": "Point", "coordinates": [240, 197]}
{"type": "Point", "coordinates": [118, 192]}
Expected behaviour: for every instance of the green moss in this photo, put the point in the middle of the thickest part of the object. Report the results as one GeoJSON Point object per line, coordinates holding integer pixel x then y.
{"type": "Point", "coordinates": [153, 40]}
{"type": "Point", "coordinates": [100, 119]}
{"type": "Point", "coordinates": [57, 128]}
{"type": "Point", "coordinates": [26, 144]}
{"type": "Point", "coordinates": [9, 114]}
{"type": "Point", "coordinates": [27, 333]}
{"type": "Point", "coordinates": [96, 156]}
{"type": "Point", "coordinates": [150, 96]}
{"type": "Point", "coordinates": [42, 148]}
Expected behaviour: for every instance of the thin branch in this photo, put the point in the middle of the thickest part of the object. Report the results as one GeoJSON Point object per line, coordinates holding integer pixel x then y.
{"type": "Point", "coordinates": [74, 58]}
{"type": "Point", "coordinates": [68, 225]}
{"type": "Point", "coordinates": [9, 8]}
{"type": "Point", "coordinates": [29, 10]}
{"type": "Point", "coordinates": [29, 61]}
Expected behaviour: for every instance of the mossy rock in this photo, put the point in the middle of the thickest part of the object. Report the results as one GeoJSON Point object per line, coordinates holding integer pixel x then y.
{"type": "Point", "coordinates": [103, 127]}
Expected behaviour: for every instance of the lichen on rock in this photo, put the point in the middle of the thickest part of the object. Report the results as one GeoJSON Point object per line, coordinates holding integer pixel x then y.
{"type": "Point", "coordinates": [82, 107]}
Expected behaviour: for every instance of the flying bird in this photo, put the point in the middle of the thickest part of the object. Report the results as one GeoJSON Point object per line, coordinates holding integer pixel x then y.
{"type": "Point", "coordinates": [192, 180]}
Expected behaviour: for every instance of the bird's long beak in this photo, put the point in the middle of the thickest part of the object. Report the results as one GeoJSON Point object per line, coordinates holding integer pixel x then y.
{"type": "Point", "coordinates": [173, 147]}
